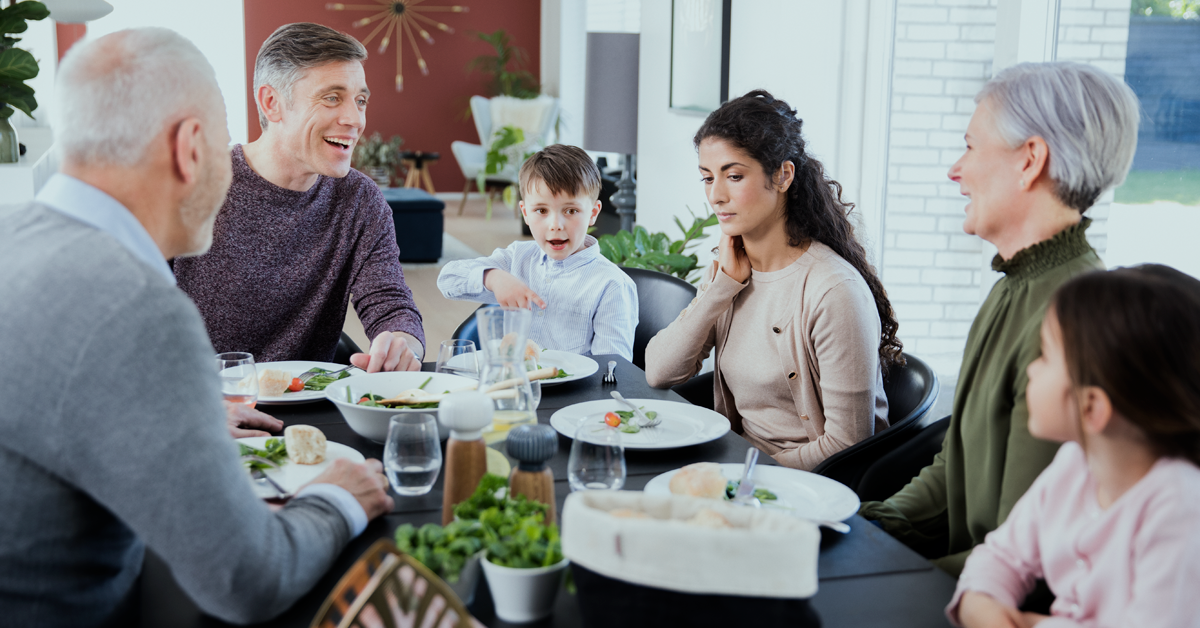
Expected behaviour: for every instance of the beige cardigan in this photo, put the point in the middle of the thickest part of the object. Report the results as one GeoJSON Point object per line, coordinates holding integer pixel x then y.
{"type": "Point", "coordinates": [828, 346]}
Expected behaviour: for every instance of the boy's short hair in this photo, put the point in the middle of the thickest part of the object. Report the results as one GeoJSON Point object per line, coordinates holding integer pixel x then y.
{"type": "Point", "coordinates": [562, 169]}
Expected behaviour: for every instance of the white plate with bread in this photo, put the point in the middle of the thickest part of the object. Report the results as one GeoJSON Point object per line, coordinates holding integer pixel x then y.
{"type": "Point", "coordinates": [577, 366]}
{"type": "Point", "coordinates": [683, 424]}
{"type": "Point", "coordinates": [273, 374]}
{"type": "Point", "coordinates": [799, 493]}
{"type": "Point", "coordinates": [291, 475]}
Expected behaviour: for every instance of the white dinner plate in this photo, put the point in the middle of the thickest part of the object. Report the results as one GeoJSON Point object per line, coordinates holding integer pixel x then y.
{"type": "Point", "coordinates": [579, 366]}
{"type": "Point", "coordinates": [683, 424]}
{"type": "Point", "coordinates": [800, 493]}
{"type": "Point", "coordinates": [291, 476]}
{"type": "Point", "coordinates": [295, 368]}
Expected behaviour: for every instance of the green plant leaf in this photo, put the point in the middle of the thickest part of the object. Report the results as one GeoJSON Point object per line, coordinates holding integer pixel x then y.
{"type": "Point", "coordinates": [609, 250]}
{"type": "Point", "coordinates": [659, 242]}
{"type": "Point", "coordinates": [18, 95]}
{"type": "Point", "coordinates": [641, 239]}
{"type": "Point", "coordinates": [637, 262]}
{"type": "Point", "coordinates": [676, 246]}
{"type": "Point", "coordinates": [33, 11]}
{"type": "Point", "coordinates": [17, 65]}
{"type": "Point", "coordinates": [625, 243]}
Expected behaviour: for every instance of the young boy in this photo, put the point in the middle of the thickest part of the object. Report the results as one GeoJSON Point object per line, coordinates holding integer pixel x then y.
{"type": "Point", "coordinates": [581, 302]}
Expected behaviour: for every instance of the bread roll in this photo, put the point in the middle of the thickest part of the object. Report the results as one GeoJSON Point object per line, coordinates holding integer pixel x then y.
{"type": "Point", "coordinates": [701, 479]}
{"type": "Point", "coordinates": [273, 383]}
{"type": "Point", "coordinates": [709, 519]}
{"type": "Point", "coordinates": [305, 444]}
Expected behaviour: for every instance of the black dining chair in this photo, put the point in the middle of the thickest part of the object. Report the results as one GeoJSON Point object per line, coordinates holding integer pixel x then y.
{"type": "Point", "coordinates": [469, 329]}
{"type": "Point", "coordinates": [895, 469]}
{"type": "Point", "coordinates": [911, 392]}
{"type": "Point", "coordinates": [346, 347]}
{"type": "Point", "coordinates": [661, 297]}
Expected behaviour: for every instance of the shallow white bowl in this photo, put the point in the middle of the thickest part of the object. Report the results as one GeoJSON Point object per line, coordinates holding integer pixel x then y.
{"type": "Point", "coordinates": [371, 422]}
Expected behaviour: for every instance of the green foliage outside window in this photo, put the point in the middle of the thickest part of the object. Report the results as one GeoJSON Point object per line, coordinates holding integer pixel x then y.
{"type": "Point", "coordinates": [1178, 9]}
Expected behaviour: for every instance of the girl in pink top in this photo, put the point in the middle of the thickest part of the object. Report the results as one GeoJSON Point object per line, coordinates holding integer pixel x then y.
{"type": "Point", "coordinates": [1113, 524]}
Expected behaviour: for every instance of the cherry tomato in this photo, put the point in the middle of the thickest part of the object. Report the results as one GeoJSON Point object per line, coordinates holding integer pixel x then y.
{"type": "Point", "coordinates": [296, 385]}
{"type": "Point", "coordinates": [612, 420]}
{"type": "Point", "coordinates": [364, 398]}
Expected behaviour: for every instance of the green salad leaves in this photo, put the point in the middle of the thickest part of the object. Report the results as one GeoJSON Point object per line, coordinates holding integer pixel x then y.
{"type": "Point", "coordinates": [274, 450]}
{"type": "Point", "coordinates": [761, 494]}
{"type": "Point", "coordinates": [320, 381]}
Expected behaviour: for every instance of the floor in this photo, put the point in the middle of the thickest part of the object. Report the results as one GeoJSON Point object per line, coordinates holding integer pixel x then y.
{"type": "Point", "coordinates": [440, 315]}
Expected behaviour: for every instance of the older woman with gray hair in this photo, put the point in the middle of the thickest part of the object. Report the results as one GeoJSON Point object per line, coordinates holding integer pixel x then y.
{"type": "Point", "coordinates": [1045, 141]}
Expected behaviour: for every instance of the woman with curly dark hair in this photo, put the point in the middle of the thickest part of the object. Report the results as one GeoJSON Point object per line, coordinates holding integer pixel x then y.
{"type": "Point", "coordinates": [801, 324]}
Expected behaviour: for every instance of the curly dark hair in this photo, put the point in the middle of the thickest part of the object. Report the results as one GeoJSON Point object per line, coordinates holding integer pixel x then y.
{"type": "Point", "coordinates": [768, 130]}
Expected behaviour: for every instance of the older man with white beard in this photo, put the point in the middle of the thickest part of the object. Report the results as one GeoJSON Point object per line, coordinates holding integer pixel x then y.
{"type": "Point", "coordinates": [113, 436]}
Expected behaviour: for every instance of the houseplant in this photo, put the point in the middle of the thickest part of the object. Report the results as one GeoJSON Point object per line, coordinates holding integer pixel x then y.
{"type": "Point", "coordinates": [508, 146]}
{"type": "Point", "coordinates": [505, 69]}
{"type": "Point", "coordinates": [16, 67]}
{"type": "Point", "coordinates": [377, 158]}
{"type": "Point", "coordinates": [656, 251]}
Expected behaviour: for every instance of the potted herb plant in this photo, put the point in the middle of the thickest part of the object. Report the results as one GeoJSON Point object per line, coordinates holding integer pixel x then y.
{"type": "Point", "coordinates": [377, 158]}
{"type": "Point", "coordinates": [16, 67]}
{"type": "Point", "coordinates": [656, 251]}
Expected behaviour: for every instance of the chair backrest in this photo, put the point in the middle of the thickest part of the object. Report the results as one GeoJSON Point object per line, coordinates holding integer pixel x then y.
{"type": "Point", "coordinates": [911, 391]}
{"type": "Point", "coordinates": [469, 329]}
{"type": "Point", "coordinates": [346, 347]}
{"type": "Point", "coordinates": [543, 108]}
{"type": "Point", "coordinates": [898, 467]}
{"type": "Point", "coordinates": [386, 587]}
{"type": "Point", "coordinates": [661, 297]}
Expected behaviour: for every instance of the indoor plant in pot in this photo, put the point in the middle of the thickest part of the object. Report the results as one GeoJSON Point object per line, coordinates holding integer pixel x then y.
{"type": "Point", "coordinates": [377, 158]}
{"type": "Point", "coordinates": [16, 67]}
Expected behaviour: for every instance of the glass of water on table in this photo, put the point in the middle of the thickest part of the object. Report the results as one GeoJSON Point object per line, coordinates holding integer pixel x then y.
{"type": "Point", "coordinates": [239, 378]}
{"type": "Point", "coordinates": [412, 456]}
{"type": "Point", "coordinates": [597, 459]}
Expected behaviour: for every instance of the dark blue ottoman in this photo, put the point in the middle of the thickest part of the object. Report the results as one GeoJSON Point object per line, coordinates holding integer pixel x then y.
{"type": "Point", "coordinates": [417, 215]}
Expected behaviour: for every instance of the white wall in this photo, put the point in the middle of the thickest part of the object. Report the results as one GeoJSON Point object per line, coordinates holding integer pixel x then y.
{"type": "Point", "coordinates": [564, 63]}
{"type": "Point", "coordinates": [215, 26]}
{"type": "Point", "coordinates": [792, 48]}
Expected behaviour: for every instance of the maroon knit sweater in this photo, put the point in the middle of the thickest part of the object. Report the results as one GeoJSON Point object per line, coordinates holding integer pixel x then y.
{"type": "Point", "coordinates": [283, 265]}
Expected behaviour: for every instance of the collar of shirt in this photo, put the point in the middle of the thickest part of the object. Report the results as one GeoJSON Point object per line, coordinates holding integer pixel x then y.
{"type": "Point", "coordinates": [589, 252]}
{"type": "Point", "coordinates": [87, 204]}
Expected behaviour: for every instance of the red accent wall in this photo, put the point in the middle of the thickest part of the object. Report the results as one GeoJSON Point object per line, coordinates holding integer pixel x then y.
{"type": "Point", "coordinates": [430, 112]}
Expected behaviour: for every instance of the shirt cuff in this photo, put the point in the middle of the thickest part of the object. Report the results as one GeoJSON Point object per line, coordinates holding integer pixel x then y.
{"type": "Point", "coordinates": [352, 511]}
{"type": "Point", "coordinates": [475, 279]}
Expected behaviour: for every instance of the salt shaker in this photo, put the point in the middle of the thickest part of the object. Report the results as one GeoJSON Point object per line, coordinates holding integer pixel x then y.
{"type": "Point", "coordinates": [533, 446]}
{"type": "Point", "coordinates": [465, 414]}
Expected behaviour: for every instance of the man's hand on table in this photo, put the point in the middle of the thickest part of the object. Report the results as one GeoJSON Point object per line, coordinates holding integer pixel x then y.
{"type": "Point", "coordinates": [365, 482]}
{"type": "Point", "coordinates": [245, 421]}
{"type": "Point", "coordinates": [390, 351]}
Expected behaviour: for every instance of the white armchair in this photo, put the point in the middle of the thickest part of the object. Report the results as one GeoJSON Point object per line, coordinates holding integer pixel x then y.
{"type": "Point", "coordinates": [534, 116]}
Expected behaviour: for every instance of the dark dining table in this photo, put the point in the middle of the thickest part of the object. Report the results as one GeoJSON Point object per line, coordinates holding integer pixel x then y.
{"type": "Point", "coordinates": [866, 578]}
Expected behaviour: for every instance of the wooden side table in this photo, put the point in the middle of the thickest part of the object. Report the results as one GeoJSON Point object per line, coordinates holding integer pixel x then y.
{"type": "Point", "coordinates": [417, 163]}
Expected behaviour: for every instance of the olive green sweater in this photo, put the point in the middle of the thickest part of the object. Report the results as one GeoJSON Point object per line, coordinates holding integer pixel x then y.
{"type": "Point", "coordinates": [989, 459]}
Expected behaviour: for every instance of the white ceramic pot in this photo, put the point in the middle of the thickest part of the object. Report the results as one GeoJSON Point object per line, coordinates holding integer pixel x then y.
{"type": "Point", "coordinates": [468, 579]}
{"type": "Point", "coordinates": [523, 595]}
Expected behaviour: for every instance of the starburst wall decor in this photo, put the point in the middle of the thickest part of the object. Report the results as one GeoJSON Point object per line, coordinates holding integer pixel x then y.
{"type": "Point", "coordinates": [398, 18]}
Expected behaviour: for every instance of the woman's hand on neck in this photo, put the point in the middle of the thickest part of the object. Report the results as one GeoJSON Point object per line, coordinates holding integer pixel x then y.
{"type": "Point", "coordinates": [769, 248]}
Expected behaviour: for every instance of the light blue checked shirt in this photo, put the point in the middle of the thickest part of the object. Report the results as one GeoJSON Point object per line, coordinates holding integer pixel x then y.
{"type": "Point", "coordinates": [591, 304]}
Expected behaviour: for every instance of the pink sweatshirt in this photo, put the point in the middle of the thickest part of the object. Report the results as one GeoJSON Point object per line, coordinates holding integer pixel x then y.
{"type": "Point", "coordinates": [1136, 563]}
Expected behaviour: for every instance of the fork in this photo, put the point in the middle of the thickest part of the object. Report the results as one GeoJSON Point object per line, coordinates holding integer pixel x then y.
{"type": "Point", "coordinates": [643, 420]}
{"type": "Point", "coordinates": [610, 377]}
{"type": "Point", "coordinates": [259, 474]}
{"type": "Point", "coordinates": [316, 370]}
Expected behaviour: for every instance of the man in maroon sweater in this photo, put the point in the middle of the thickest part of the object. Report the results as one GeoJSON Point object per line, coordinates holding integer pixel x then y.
{"type": "Point", "coordinates": [300, 232]}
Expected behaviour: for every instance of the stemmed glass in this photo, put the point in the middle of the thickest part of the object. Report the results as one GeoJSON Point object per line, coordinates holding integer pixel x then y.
{"type": "Point", "coordinates": [597, 459]}
{"type": "Point", "coordinates": [458, 358]}
{"type": "Point", "coordinates": [412, 456]}
{"type": "Point", "coordinates": [239, 378]}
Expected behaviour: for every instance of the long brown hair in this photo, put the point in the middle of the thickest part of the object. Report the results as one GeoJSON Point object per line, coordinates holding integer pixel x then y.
{"type": "Point", "coordinates": [1135, 334]}
{"type": "Point", "coordinates": [768, 130]}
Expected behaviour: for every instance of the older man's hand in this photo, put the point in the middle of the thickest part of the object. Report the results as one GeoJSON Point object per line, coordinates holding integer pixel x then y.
{"type": "Point", "coordinates": [242, 420]}
{"type": "Point", "coordinates": [365, 482]}
{"type": "Point", "coordinates": [390, 351]}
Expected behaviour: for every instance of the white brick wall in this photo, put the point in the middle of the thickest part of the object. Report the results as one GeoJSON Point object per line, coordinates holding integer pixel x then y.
{"type": "Point", "coordinates": [943, 56]}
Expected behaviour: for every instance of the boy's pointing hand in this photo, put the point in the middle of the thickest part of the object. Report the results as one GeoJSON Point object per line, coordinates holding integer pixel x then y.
{"type": "Point", "coordinates": [510, 291]}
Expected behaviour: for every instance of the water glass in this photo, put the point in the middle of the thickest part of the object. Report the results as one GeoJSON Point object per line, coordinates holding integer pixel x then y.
{"type": "Point", "coordinates": [458, 357]}
{"type": "Point", "coordinates": [597, 459]}
{"type": "Point", "coordinates": [412, 456]}
{"type": "Point", "coordinates": [239, 378]}
{"type": "Point", "coordinates": [535, 386]}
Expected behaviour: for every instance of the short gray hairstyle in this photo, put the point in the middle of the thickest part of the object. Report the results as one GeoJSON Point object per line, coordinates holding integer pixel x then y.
{"type": "Point", "coordinates": [1088, 117]}
{"type": "Point", "coordinates": [115, 94]}
{"type": "Point", "coordinates": [294, 48]}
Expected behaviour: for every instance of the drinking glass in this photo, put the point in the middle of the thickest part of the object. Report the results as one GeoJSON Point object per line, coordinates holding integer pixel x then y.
{"type": "Point", "coordinates": [239, 378]}
{"type": "Point", "coordinates": [597, 459]}
{"type": "Point", "coordinates": [448, 360]}
{"type": "Point", "coordinates": [412, 456]}
{"type": "Point", "coordinates": [535, 386]}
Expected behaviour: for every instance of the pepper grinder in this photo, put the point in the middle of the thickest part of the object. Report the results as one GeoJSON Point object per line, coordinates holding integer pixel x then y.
{"type": "Point", "coordinates": [465, 414]}
{"type": "Point", "coordinates": [533, 446]}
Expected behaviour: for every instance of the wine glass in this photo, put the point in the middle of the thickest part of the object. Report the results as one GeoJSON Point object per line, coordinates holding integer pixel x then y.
{"type": "Point", "coordinates": [239, 378]}
{"type": "Point", "coordinates": [597, 459]}
{"type": "Point", "coordinates": [412, 456]}
{"type": "Point", "coordinates": [458, 358]}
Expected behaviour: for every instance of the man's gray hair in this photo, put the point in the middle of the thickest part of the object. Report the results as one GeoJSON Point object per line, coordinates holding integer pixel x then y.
{"type": "Point", "coordinates": [294, 48]}
{"type": "Point", "coordinates": [1088, 117]}
{"type": "Point", "coordinates": [115, 94]}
